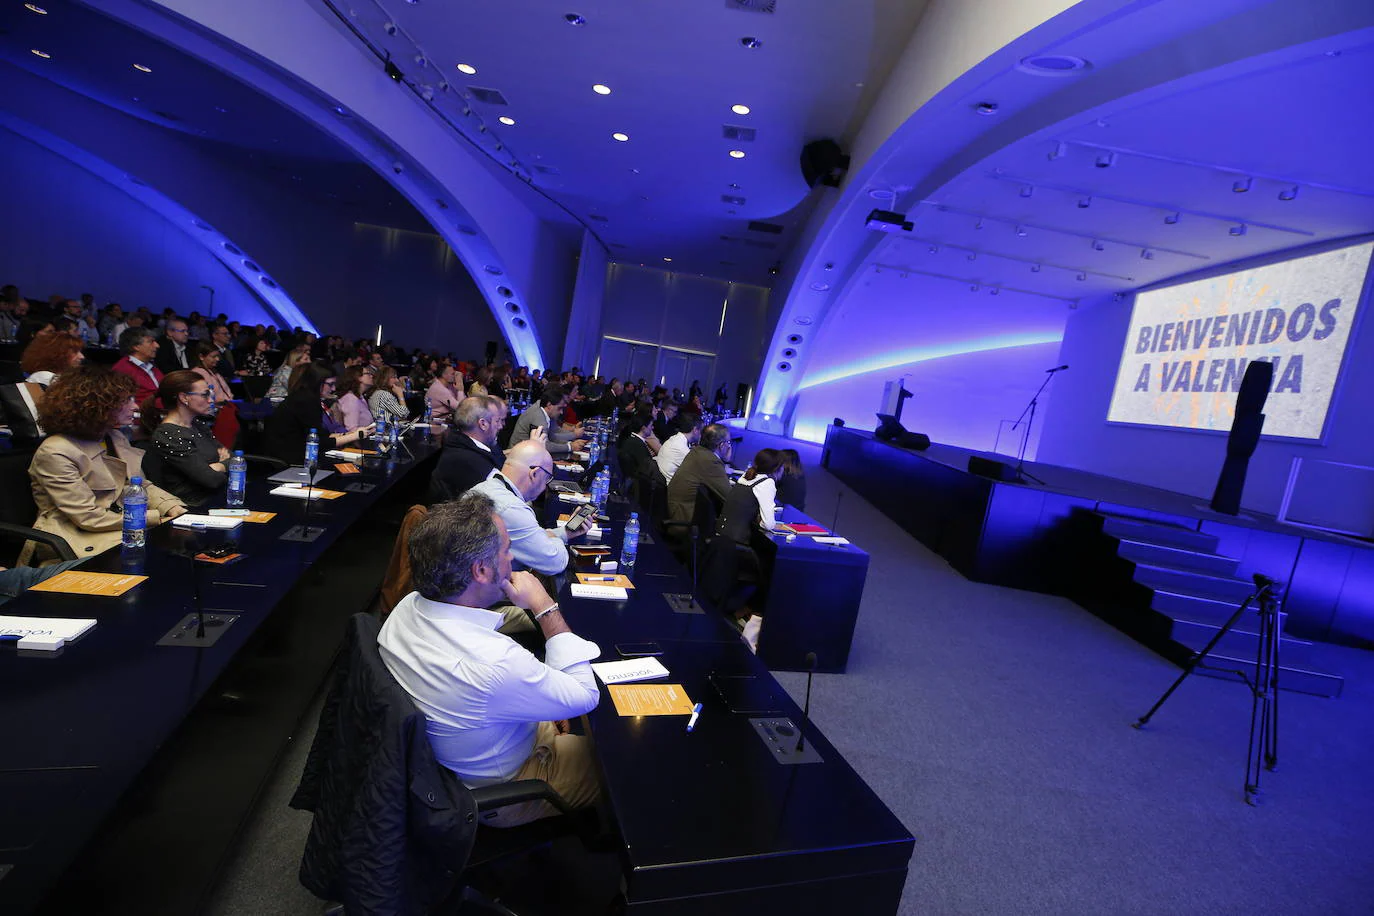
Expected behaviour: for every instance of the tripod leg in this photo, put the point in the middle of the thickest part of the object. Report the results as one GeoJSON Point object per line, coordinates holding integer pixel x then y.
{"type": "Point", "coordinates": [1272, 755]}
{"type": "Point", "coordinates": [1263, 706]}
{"type": "Point", "coordinates": [1193, 663]}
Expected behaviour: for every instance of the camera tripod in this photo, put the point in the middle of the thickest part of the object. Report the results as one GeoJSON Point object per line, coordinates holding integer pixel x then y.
{"type": "Point", "coordinates": [1263, 683]}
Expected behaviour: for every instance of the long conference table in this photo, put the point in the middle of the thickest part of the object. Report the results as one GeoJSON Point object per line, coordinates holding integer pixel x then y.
{"type": "Point", "coordinates": [128, 769]}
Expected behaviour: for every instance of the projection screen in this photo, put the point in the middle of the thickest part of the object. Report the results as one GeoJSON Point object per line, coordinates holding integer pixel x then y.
{"type": "Point", "coordinates": [1188, 345]}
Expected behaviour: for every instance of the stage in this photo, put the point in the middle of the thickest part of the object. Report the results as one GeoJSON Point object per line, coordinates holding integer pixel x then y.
{"type": "Point", "coordinates": [1159, 564]}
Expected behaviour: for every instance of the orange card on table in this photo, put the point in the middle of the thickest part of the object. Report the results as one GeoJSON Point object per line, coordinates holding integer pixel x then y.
{"type": "Point", "coordinates": [650, 700]}
{"type": "Point", "coordinates": [347, 468]}
{"type": "Point", "coordinates": [259, 518]}
{"type": "Point", "coordinates": [218, 561]}
{"type": "Point", "coordinates": [360, 451]}
{"type": "Point", "coordinates": [613, 581]}
{"type": "Point", "coordinates": [75, 582]}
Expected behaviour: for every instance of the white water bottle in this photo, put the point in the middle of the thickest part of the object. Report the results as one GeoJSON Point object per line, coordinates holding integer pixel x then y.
{"type": "Point", "coordinates": [630, 549]}
{"type": "Point", "coordinates": [135, 513]}
{"type": "Point", "coordinates": [238, 480]}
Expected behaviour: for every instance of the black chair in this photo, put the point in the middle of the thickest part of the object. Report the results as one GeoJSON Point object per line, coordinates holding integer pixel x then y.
{"type": "Point", "coordinates": [394, 831]}
{"type": "Point", "coordinates": [255, 386]}
{"type": "Point", "coordinates": [18, 511]}
{"type": "Point", "coordinates": [264, 465]}
{"type": "Point", "coordinates": [16, 413]}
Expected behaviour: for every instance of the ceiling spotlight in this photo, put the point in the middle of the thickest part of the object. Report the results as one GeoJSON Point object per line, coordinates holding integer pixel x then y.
{"type": "Point", "coordinates": [1171, 219]}
{"type": "Point", "coordinates": [1020, 232]}
{"type": "Point", "coordinates": [37, 53]}
{"type": "Point", "coordinates": [619, 136]}
{"type": "Point", "coordinates": [974, 288]}
{"type": "Point", "coordinates": [740, 109]}
{"type": "Point", "coordinates": [887, 221]}
{"type": "Point", "coordinates": [142, 69]}
{"type": "Point", "coordinates": [1242, 185]}
{"type": "Point", "coordinates": [736, 154]}
{"type": "Point", "coordinates": [820, 286]}
{"type": "Point", "coordinates": [1061, 149]}
{"type": "Point", "coordinates": [1084, 203]}
{"type": "Point", "coordinates": [601, 89]}
{"type": "Point", "coordinates": [508, 121]}
{"type": "Point", "coordinates": [986, 108]}
{"type": "Point", "coordinates": [1027, 191]}
{"type": "Point", "coordinates": [394, 71]}
{"type": "Point", "coordinates": [750, 42]}
{"type": "Point", "coordinates": [1082, 276]}
{"type": "Point", "coordinates": [995, 290]}
{"type": "Point", "coordinates": [1105, 160]}
{"type": "Point", "coordinates": [1289, 193]}
{"type": "Point", "coordinates": [979, 223]}
{"type": "Point", "coordinates": [973, 255]}
{"type": "Point", "coordinates": [934, 249]}
{"type": "Point", "coordinates": [574, 19]}
{"type": "Point", "coordinates": [1035, 268]}
{"type": "Point", "coordinates": [469, 69]}
{"type": "Point", "coordinates": [35, 8]}
{"type": "Point", "coordinates": [668, 260]}
{"type": "Point", "coordinates": [1147, 254]}
{"type": "Point", "coordinates": [1239, 229]}
{"type": "Point", "coordinates": [1098, 246]}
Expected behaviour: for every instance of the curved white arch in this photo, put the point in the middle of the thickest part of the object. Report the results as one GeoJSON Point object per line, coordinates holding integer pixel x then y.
{"type": "Point", "coordinates": [275, 299]}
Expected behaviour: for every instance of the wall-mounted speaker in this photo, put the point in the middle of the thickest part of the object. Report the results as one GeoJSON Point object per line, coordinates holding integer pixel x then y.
{"type": "Point", "coordinates": [822, 162]}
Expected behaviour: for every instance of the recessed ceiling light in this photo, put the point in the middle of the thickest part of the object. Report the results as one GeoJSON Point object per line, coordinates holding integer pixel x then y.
{"type": "Point", "coordinates": [740, 109]}
{"type": "Point", "coordinates": [142, 69]}
{"type": "Point", "coordinates": [750, 42]}
{"type": "Point", "coordinates": [736, 154]}
{"type": "Point", "coordinates": [469, 69]}
{"type": "Point", "coordinates": [34, 8]}
{"type": "Point", "coordinates": [575, 19]}
{"type": "Point", "coordinates": [509, 122]}
{"type": "Point", "coordinates": [43, 54]}
{"type": "Point", "coordinates": [668, 259]}
{"type": "Point", "coordinates": [619, 136]}
{"type": "Point", "coordinates": [601, 89]}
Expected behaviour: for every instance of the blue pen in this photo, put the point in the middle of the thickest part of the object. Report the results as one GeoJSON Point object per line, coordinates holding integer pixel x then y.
{"type": "Point", "coordinates": [692, 722]}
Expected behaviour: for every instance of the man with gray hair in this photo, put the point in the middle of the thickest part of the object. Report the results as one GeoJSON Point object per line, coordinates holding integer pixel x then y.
{"type": "Point", "coordinates": [139, 348]}
{"type": "Point", "coordinates": [494, 713]}
{"type": "Point", "coordinates": [470, 450]}
{"type": "Point", "coordinates": [524, 475]}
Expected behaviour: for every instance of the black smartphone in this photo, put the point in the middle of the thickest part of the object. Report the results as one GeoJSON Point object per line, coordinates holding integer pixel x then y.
{"type": "Point", "coordinates": [638, 649]}
{"type": "Point", "coordinates": [218, 551]}
{"type": "Point", "coordinates": [580, 516]}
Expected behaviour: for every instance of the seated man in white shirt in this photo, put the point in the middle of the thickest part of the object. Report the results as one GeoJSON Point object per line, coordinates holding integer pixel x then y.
{"type": "Point", "coordinates": [494, 713]}
{"type": "Point", "coordinates": [524, 475]}
{"type": "Point", "coordinates": [669, 457]}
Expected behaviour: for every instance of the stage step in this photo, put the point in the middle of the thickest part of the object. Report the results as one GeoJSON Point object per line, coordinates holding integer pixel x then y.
{"type": "Point", "coordinates": [1201, 611]}
{"type": "Point", "coordinates": [1181, 558]}
{"type": "Point", "coordinates": [1188, 582]}
{"type": "Point", "coordinates": [1298, 668]}
{"type": "Point", "coordinates": [1151, 532]}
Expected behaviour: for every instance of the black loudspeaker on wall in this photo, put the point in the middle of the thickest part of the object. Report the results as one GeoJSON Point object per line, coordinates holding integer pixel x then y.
{"type": "Point", "coordinates": [822, 162]}
{"type": "Point", "coordinates": [1245, 436]}
{"type": "Point", "coordinates": [992, 468]}
{"type": "Point", "coordinates": [891, 430]}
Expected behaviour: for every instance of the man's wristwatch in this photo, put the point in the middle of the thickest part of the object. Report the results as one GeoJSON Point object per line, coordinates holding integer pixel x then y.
{"type": "Point", "coordinates": [547, 611]}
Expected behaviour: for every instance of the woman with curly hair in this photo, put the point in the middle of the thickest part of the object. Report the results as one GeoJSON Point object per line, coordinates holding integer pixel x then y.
{"type": "Point", "coordinates": [80, 471]}
{"type": "Point", "coordinates": [354, 386]}
{"type": "Point", "coordinates": [49, 356]}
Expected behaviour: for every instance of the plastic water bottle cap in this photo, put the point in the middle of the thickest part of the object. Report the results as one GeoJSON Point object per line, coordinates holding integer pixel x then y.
{"type": "Point", "coordinates": [136, 481]}
{"type": "Point", "coordinates": [238, 453]}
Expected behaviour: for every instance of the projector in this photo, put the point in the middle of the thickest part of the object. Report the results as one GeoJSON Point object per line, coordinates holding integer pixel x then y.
{"type": "Point", "coordinates": [887, 221]}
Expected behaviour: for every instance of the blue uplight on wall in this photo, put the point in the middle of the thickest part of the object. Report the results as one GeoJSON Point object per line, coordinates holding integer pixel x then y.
{"type": "Point", "coordinates": [893, 359]}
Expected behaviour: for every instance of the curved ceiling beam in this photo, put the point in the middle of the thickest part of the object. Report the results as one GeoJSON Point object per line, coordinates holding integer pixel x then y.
{"type": "Point", "coordinates": [292, 53]}
{"type": "Point", "coordinates": [275, 299]}
{"type": "Point", "coordinates": [1151, 48]}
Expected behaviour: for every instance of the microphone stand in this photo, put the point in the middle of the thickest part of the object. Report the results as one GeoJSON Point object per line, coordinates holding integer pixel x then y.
{"type": "Point", "coordinates": [806, 710]}
{"type": "Point", "coordinates": [1028, 415]}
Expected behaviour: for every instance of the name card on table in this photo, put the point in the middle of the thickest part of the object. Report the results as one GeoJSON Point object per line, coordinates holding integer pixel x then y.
{"type": "Point", "coordinates": [295, 491]}
{"type": "Point", "coordinates": [630, 669]}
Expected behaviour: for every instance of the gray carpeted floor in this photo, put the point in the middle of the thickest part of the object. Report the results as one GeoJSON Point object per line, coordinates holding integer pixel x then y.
{"type": "Point", "coordinates": [996, 724]}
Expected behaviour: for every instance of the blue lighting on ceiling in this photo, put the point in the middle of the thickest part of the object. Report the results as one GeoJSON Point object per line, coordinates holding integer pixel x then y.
{"type": "Point", "coordinates": [897, 358]}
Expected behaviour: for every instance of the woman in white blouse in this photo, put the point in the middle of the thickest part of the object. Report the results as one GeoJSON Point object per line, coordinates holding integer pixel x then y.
{"type": "Point", "coordinates": [389, 397]}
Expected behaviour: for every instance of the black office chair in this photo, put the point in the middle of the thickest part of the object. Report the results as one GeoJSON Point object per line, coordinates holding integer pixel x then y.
{"type": "Point", "coordinates": [17, 415]}
{"type": "Point", "coordinates": [263, 465]}
{"type": "Point", "coordinates": [394, 831]}
{"type": "Point", "coordinates": [18, 510]}
{"type": "Point", "coordinates": [255, 386]}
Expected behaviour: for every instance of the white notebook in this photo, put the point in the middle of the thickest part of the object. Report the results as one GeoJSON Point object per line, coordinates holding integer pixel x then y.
{"type": "Point", "coordinates": [628, 670]}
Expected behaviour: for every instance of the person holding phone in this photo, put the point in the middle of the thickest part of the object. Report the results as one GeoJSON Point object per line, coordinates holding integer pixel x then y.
{"type": "Point", "coordinates": [524, 475]}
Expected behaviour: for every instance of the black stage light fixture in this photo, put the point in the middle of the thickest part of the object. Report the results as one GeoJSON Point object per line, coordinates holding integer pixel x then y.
{"type": "Point", "coordinates": [887, 221]}
{"type": "Point", "coordinates": [394, 72]}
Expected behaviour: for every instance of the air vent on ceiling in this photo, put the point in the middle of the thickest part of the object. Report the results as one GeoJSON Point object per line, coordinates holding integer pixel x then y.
{"type": "Point", "coordinates": [756, 226]}
{"type": "Point", "coordinates": [599, 218]}
{"type": "Point", "coordinates": [754, 243]}
{"type": "Point", "coordinates": [752, 6]}
{"type": "Point", "coordinates": [167, 116]}
{"type": "Point", "coordinates": [488, 96]}
{"type": "Point", "coordinates": [742, 134]}
{"type": "Point", "coordinates": [547, 170]}
{"type": "Point", "coordinates": [730, 199]}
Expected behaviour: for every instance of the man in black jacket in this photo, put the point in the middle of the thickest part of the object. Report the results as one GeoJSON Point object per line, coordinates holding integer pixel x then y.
{"type": "Point", "coordinates": [470, 449]}
{"type": "Point", "coordinates": [636, 461]}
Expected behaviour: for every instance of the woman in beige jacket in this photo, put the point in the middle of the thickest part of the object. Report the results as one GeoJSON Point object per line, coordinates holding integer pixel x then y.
{"type": "Point", "coordinates": [80, 471]}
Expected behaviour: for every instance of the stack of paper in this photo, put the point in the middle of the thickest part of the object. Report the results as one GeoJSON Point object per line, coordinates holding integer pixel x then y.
{"type": "Point", "coordinates": [46, 633]}
{"type": "Point", "coordinates": [296, 491]}
{"type": "Point", "coordinates": [206, 521]}
{"type": "Point", "coordinates": [602, 592]}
